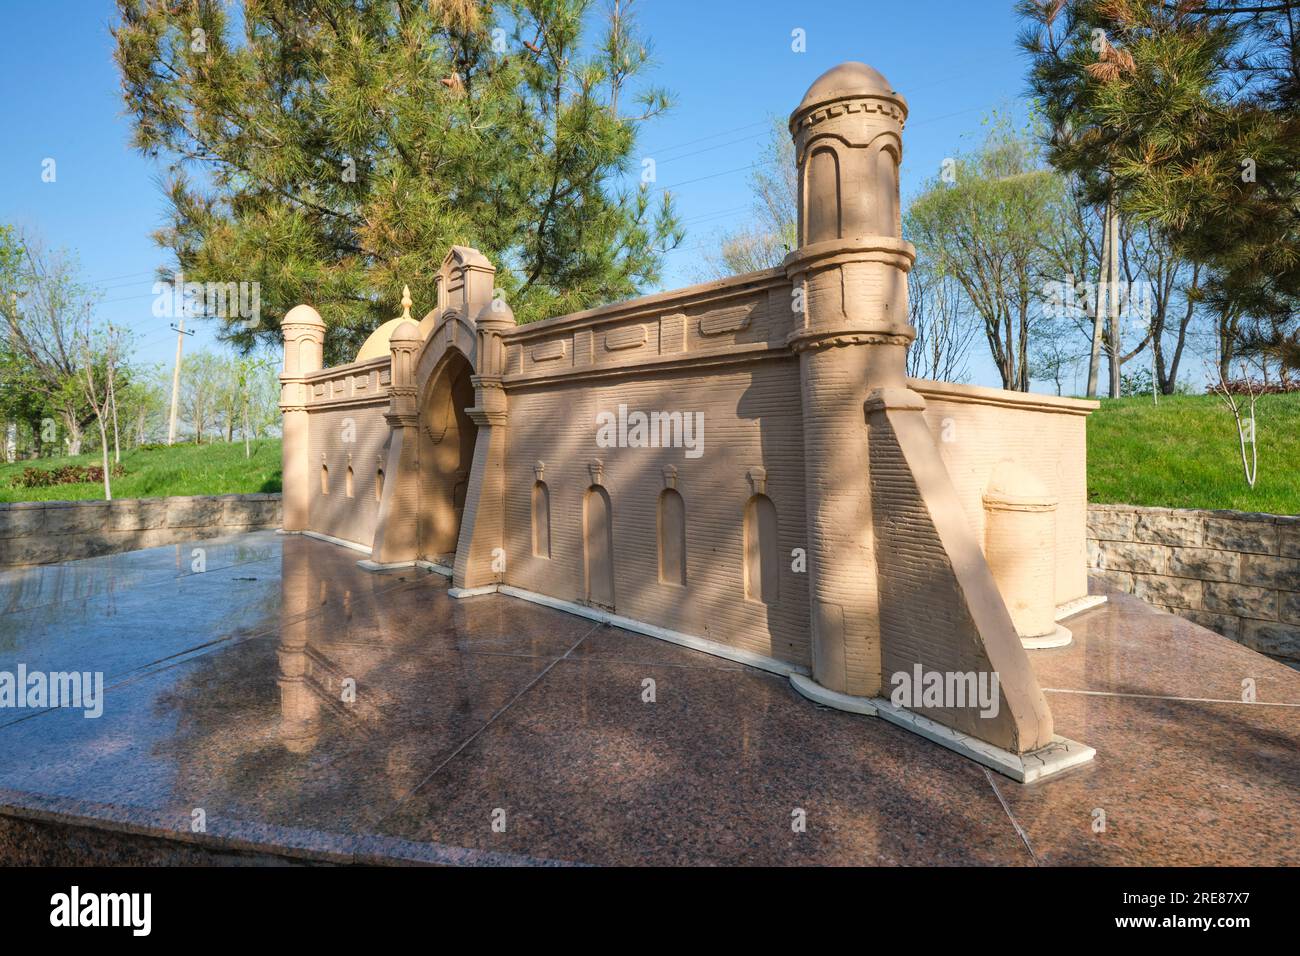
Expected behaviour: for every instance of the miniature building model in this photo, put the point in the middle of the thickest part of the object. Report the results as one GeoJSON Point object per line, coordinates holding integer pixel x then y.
{"type": "Point", "coordinates": [742, 465]}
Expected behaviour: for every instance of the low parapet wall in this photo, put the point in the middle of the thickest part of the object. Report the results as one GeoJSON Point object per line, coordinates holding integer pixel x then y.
{"type": "Point", "coordinates": [44, 532]}
{"type": "Point", "coordinates": [1233, 572]}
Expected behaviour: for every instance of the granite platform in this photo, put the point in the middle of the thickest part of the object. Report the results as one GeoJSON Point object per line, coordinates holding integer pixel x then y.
{"type": "Point", "coordinates": [282, 705]}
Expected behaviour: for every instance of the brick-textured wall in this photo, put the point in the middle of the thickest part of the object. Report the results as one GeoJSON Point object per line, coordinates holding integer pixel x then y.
{"type": "Point", "coordinates": [1233, 572]}
{"type": "Point", "coordinates": [43, 532]}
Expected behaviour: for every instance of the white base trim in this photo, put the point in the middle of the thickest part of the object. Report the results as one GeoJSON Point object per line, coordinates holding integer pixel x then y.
{"type": "Point", "coordinates": [364, 549]}
{"type": "Point", "coordinates": [1060, 755]}
{"type": "Point", "coordinates": [1058, 638]}
{"type": "Point", "coordinates": [442, 569]}
{"type": "Point", "coordinates": [472, 592]}
{"type": "Point", "coordinates": [830, 698]}
{"type": "Point", "coordinates": [1079, 605]}
{"type": "Point", "coordinates": [735, 654]}
{"type": "Point", "coordinates": [369, 565]}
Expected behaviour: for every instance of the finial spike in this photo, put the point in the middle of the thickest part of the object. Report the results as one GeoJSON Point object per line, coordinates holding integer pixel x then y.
{"type": "Point", "coordinates": [406, 302]}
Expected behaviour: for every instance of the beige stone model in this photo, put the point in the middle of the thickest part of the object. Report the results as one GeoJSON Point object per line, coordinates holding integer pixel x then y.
{"type": "Point", "coordinates": [742, 466]}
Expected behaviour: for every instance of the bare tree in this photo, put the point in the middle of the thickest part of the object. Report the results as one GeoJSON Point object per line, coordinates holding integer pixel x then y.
{"type": "Point", "coordinates": [943, 331]}
{"type": "Point", "coordinates": [98, 394]}
{"type": "Point", "coordinates": [200, 399]}
{"type": "Point", "coordinates": [772, 231]}
{"type": "Point", "coordinates": [984, 227]}
{"type": "Point", "coordinates": [1243, 414]}
{"type": "Point", "coordinates": [41, 323]}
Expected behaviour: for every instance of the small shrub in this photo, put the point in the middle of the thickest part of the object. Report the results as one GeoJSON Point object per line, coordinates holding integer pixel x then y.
{"type": "Point", "coordinates": [1239, 386]}
{"type": "Point", "coordinates": [65, 475]}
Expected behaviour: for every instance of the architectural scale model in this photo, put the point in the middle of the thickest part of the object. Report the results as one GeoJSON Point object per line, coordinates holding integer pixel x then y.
{"type": "Point", "coordinates": [741, 466]}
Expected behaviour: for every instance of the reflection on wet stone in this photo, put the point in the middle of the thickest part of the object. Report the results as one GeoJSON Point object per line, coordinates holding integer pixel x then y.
{"type": "Point", "coordinates": [238, 708]}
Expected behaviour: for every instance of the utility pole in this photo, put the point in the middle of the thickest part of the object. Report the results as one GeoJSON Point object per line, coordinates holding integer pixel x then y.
{"type": "Point", "coordinates": [176, 379]}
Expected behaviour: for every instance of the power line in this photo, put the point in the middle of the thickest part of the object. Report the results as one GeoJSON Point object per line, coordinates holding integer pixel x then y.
{"type": "Point", "coordinates": [701, 139]}
{"type": "Point", "coordinates": [125, 275]}
{"type": "Point", "coordinates": [707, 149]}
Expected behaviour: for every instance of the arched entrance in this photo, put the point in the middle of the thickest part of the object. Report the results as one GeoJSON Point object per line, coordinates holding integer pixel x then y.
{"type": "Point", "coordinates": [446, 452]}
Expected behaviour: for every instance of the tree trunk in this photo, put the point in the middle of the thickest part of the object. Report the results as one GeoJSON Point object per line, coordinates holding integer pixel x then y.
{"type": "Point", "coordinates": [103, 447]}
{"type": "Point", "coordinates": [112, 398]}
{"type": "Point", "coordinates": [1094, 358]}
{"type": "Point", "coordinates": [73, 428]}
{"type": "Point", "coordinates": [1112, 304]}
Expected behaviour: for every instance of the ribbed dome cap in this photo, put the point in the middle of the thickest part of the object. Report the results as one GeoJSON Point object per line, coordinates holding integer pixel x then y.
{"type": "Point", "coordinates": [847, 79]}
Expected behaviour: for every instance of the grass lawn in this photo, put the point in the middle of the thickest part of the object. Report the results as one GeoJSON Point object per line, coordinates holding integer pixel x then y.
{"type": "Point", "coordinates": [215, 469]}
{"type": "Point", "coordinates": [1183, 453]}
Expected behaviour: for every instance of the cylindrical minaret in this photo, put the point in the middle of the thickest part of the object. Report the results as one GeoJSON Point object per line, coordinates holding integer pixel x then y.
{"type": "Point", "coordinates": [304, 340]}
{"type": "Point", "coordinates": [851, 332]}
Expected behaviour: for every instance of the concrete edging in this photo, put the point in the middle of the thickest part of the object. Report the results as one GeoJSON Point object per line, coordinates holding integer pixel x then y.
{"type": "Point", "coordinates": [48, 532]}
{"type": "Point", "coordinates": [1234, 572]}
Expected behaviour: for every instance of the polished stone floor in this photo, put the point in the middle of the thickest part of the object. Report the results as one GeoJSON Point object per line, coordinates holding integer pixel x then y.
{"type": "Point", "coordinates": [491, 730]}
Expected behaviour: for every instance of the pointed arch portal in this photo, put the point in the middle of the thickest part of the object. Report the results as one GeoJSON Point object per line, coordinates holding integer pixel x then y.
{"type": "Point", "coordinates": [446, 452]}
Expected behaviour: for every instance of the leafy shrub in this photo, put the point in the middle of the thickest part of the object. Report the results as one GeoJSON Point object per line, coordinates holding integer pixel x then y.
{"type": "Point", "coordinates": [1239, 386]}
{"type": "Point", "coordinates": [65, 475]}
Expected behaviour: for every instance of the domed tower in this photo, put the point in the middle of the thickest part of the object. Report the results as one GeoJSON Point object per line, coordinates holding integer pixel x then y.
{"type": "Point", "coordinates": [851, 333]}
{"type": "Point", "coordinates": [851, 264]}
{"type": "Point", "coordinates": [304, 341]}
{"type": "Point", "coordinates": [897, 579]}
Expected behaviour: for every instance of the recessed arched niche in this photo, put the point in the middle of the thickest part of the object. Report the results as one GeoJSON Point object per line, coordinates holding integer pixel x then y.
{"type": "Point", "coordinates": [598, 546]}
{"type": "Point", "coordinates": [324, 479]}
{"type": "Point", "coordinates": [762, 569]}
{"type": "Point", "coordinates": [672, 538]}
{"type": "Point", "coordinates": [887, 215]}
{"type": "Point", "coordinates": [541, 520]}
{"type": "Point", "coordinates": [822, 194]}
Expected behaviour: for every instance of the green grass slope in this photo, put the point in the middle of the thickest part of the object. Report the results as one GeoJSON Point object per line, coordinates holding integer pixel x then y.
{"type": "Point", "coordinates": [216, 469]}
{"type": "Point", "coordinates": [1183, 453]}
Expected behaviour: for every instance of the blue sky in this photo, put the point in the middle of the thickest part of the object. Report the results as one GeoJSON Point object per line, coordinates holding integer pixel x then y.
{"type": "Point", "coordinates": [728, 62]}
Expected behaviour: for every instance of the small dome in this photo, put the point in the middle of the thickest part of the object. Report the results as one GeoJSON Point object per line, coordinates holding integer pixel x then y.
{"type": "Point", "coordinates": [376, 346]}
{"type": "Point", "coordinates": [496, 312]}
{"type": "Point", "coordinates": [847, 79]}
{"type": "Point", "coordinates": [303, 315]}
{"type": "Point", "coordinates": [406, 331]}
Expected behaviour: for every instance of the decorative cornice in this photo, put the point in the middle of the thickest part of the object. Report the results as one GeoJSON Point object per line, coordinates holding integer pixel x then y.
{"type": "Point", "coordinates": [804, 341]}
{"type": "Point", "coordinates": [892, 106]}
{"type": "Point", "coordinates": [889, 250]}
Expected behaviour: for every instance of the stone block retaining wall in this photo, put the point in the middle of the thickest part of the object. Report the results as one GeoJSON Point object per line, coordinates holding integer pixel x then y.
{"type": "Point", "coordinates": [43, 532]}
{"type": "Point", "coordinates": [1233, 572]}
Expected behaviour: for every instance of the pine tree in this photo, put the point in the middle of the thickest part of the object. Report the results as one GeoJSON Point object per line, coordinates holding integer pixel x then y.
{"type": "Point", "coordinates": [1190, 111]}
{"type": "Point", "coordinates": [333, 151]}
